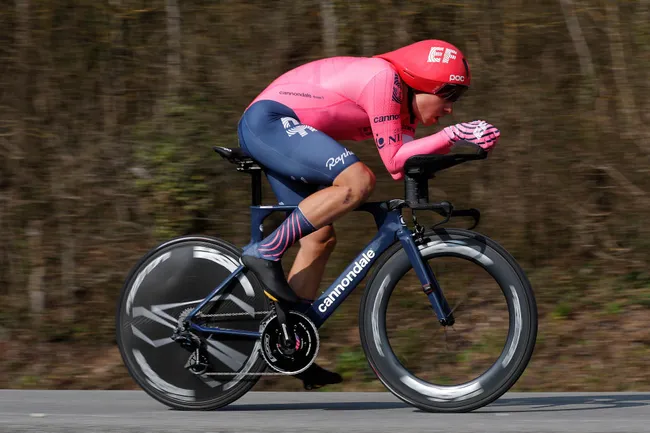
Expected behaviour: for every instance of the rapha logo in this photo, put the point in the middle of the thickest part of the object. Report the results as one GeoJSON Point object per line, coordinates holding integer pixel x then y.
{"type": "Point", "coordinates": [292, 127]}
{"type": "Point", "coordinates": [332, 162]}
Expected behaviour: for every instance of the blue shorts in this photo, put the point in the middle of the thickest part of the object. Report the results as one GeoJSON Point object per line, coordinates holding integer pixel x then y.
{"type": "Point", "coordinates": [298, 160]}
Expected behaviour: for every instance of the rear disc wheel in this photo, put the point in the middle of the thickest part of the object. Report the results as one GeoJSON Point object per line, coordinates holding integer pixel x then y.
{"type": "Point", "coordinates": [167, 282]}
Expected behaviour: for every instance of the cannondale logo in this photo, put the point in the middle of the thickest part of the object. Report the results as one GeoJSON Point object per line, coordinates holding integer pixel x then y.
{"type": "Point", "coordinates": [359, 265]}
{"type": "Point", "coordinates": [292, 127]}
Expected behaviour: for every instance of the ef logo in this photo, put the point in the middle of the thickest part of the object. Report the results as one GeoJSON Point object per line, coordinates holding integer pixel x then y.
{"type": "Point", "coordinates": [440, 54]}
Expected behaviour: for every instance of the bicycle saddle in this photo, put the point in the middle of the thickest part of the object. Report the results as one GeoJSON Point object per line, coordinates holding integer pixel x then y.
{"type": "Point", "coordinates": [235, 155]}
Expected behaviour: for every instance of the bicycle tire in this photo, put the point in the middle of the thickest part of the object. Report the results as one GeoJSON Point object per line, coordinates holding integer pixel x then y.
{"type": "Point", "coordinates": [522, 329]}
{"type": "Point", "coordinates": [181, 279]}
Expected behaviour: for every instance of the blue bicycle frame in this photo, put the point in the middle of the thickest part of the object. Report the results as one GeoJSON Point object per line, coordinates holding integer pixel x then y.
{"type": "Point", "coordinates": [391, 227]}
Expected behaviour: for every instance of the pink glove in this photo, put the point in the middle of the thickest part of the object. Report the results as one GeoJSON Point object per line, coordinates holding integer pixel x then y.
{"type": "Point", "coordinates": [478, 132]}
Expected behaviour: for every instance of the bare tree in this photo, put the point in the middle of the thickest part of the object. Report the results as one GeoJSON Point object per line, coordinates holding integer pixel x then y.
{"type": "Point", "coordinates": [34, 235]}
{"type": "Point", "coordinates": [23, 45]}
{"type": "Point", "coordinates": [330, 27]}
{"type": "Point", "coordinates": [173, 47]}
{"type": "Point", "coordinates": [364, 21]}
{"type": "Point", "coordinates": [402, 25]}
{"type": "Point", "coordinates": [625, 102]}
{"type": "Point", "coordinates": [642, 29]}
{"type": "Point", "coordinates": [577, 36]}
{"type": "Point", "coordinates": [34, 231]}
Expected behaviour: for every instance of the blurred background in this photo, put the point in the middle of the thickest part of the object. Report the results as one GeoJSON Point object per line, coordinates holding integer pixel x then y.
{"type": "Point", "coordinates": [109, 110]}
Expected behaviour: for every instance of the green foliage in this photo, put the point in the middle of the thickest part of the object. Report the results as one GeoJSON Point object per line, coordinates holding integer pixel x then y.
{"type": "Point", "coordinates": [642, 299]}
{"type": "Point", "coordinates": [179, 165]}
{"type": "Point", "coordinates": [562, 311]}
{"type": "Point", "coordinates": [614, 308]}
{"type": "Point", "coordinates": [352, 364]}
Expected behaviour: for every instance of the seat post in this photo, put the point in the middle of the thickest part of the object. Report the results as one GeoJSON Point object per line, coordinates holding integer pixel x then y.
{"type": "Point", "coordinates": [256, 187]}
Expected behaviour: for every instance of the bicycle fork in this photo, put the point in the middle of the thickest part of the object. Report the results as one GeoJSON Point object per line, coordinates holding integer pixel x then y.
{"type": "Point", "coordinates": [429, 283]}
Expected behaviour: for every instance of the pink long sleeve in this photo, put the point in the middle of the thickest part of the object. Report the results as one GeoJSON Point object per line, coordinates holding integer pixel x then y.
{"type": "Point", "coordinates": [437, 143]}
{"type": "Point", "coordinates": [352, 98]}
{"type": "Point", "coordinates": [381, 99]}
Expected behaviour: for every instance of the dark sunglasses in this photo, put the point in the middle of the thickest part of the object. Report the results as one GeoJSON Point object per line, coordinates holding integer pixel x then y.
{"type": "Point", "coordinates": [451, 92]}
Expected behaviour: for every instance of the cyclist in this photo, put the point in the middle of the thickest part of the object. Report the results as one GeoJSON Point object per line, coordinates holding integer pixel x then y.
{"type": "Point", "coordinates": [291, 128]}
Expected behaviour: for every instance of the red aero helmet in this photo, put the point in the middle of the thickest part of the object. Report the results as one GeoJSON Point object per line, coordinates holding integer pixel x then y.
{"type": "Point", "coordinates": [431, 66]}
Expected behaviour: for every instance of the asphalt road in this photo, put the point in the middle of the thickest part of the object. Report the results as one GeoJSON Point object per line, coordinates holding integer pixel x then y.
{"type": "Point", "coordinates": [135, 411]}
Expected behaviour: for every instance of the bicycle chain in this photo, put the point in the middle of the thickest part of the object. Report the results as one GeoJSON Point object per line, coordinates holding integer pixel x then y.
{"type": "Point", "coordinates": [208, 316]}
{"type": "Point", "coordinates": [271, 373]}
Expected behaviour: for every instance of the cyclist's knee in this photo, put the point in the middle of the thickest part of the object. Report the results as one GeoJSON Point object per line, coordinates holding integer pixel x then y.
{"type": "Point", "coordinates": [359, 181]}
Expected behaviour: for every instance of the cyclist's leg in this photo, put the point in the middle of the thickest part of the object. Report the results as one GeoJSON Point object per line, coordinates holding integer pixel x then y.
{"type": "Point", "coordinates": [292, 187]}
{"type": "Point", "coordinates": [350, 189]}
{"type": "Point", "coordinates": [308, 267]}
{"type": "Point", "coordinates": [271, 133]}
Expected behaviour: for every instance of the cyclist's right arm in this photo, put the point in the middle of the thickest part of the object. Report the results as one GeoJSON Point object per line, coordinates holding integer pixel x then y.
{"type": "Point", "coordinates": [382, 102]}
{"type": "Point", "coordinates": [381, 99]}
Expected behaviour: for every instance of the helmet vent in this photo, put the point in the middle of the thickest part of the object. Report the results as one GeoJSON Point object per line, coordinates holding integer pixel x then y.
{"type": "Point", "coordinates": [408, 73]}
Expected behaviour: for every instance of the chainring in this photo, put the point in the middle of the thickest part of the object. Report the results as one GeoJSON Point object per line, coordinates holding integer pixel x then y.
{"type": "Point", "coordinates": [299, 358]}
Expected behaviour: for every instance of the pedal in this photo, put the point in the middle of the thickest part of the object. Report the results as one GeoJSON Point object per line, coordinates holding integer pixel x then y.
{"type": "Point", "coordinates": [289, 359]}
{"type": "Point", "coordinates": [288, 340]}
{"type": "Point", "coordinates": [198, 362]}
{"type": "Point", "coordinates": [270, 296]}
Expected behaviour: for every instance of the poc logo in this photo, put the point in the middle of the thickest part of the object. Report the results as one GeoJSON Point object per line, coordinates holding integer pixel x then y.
{"type": "Point", "coordinates": [456, 78]}
{"type": "Point", "coordinates": [440, 54]}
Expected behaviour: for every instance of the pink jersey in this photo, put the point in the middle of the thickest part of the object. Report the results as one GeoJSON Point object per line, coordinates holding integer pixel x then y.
{"type": "Point", "coordinates": [355, 98]}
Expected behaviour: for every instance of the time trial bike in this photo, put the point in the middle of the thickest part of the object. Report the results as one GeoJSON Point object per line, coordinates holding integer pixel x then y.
{"type": "Point", "coordinates": [196, 331]}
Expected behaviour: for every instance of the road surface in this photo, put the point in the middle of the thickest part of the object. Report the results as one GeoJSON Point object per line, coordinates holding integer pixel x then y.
{"type": "Point", "coordinates": [269, 412]}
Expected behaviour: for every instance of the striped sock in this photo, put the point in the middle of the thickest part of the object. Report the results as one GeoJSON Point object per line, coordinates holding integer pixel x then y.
{"type": "Point", "coordinates": [277, 243]}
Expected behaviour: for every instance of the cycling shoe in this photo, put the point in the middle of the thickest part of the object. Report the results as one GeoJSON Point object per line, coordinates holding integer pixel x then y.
{"type": "Point", "coordinates": [271, 275]}
{"type": "Point", "coordinates": [316, 377]}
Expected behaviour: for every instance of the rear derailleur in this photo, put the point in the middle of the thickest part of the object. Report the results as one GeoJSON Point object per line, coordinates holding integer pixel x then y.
{"type": "Point", "coordinates": [198, 362]}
